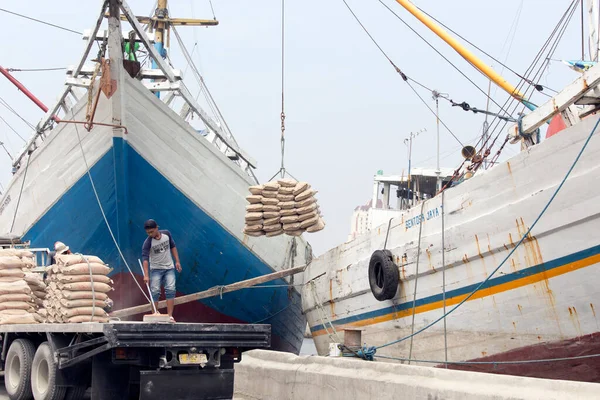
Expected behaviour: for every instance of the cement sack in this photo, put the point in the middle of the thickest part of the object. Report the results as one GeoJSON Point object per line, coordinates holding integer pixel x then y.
{"type": "Point", "coordinates": [26, 318]}
{"type": "Point", "coordinates": [81, 303]}
{"type": "Point", "coordinates": [285, 213]}
{"type": "Point", "coordinates": [271, 221]}
{"type": "Point", "coordinates": [40, 294]}
{"type": "Point", "coordinates": [257, 189]}
{"type": "Point", "coordinates": [254, 234]}
{"type": "Point", "coordinates": [9, 279]}
{"type": "Point", "coordinates": [305, 195]}
{"type": "Point", "coordinates": [287, 183]}
{"type": "Point", "coordinates": [61, 278]}
{"type": "Point", "coordinates": [272, 228]}
{"type": "Point", "coordinates": [71, 259]}
{"type": "Point", "coordinates": [306, 202]}
{"type": "Point", "coordinates": [300, 187]}
{"type": "Point", "coordinates": [16, 252]}
{"type": "Point", "coordinates": [306, 209]}
{"type": "Point", "coordinates": [254, 207]}
{"type": "Point", "coordinates": [275, 233]}
{"type": "Point", "coordinates": [269, 194]}
{"type": "Point", "coordinates": [254, 199]}
{"type": "Point", "coordinates": [35, 279]}
{"type": "Point", "coordinates": [269, 202]}
{"type": "Point", "coordinates": [16, 305]}
{"type": "Point", "coordinates": [85, 286]}
{"type": "Point", "coordinates": [42, 312]}
{"type": "Point", "coordinates": [287, 205]}
{"type": "Point", "coordinates": [294, 233]}
{"type": "Point", "coordinates": [253, 228]}
{"type": "Point", "coordinates": [289, 219]}
{"type": "Point", "coordinates": [12, 272]}
{"type": "Point", "coordinates": [19, 286]}
{"type": "Point", "coordinates": [309, 222]}
{"type": "Point", "coordinates": [12, 312]}
{"type": "Point", "coordinates": [286, 190]}
{"type": "Point", "coordinates": [87, 311]}
{"type": "Point", "coordinates": [308, 215]}
{"type": "Point", "coordinates": [316, 227]}
{"type": "Point", "coordinates": [271, 214]}
{"type": "Point", "coordinates": [271, 208]}
{"type": "Point", "coordinates": [285, 197]}
{"type": "Point", "coordinates": [291, 227]}
{"type": "Point", "coordinates": [271, 186]}
{"type": "Point", "coordinates": [7, 262]}
{"type": "Point", "coordinates": [38, 302]}
{"type": "Point", "coordinates": [15, 297]}
{"type": "Point", "coordinates": [254, 216]}
{"type": "Point", "coordinates": [81, 318]}
{"type": "Point", "coordinates": [80, 269]}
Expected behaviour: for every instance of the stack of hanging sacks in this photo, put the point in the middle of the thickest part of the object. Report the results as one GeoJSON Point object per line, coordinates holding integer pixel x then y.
{"type": "Point", "coordinates": [17, 299]}
{"type": "Point", "coordinates": [74, 295]}
{"type": "Point", "coordinates": [285, 206]}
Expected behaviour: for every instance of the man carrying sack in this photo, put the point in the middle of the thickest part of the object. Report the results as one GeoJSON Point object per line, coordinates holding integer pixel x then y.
{"type": "Point", "coordinates": [158, 265]}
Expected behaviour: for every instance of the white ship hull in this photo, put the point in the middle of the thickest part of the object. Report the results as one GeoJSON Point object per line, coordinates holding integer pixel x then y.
{"type": "Point", "coordinates": [541, 304]}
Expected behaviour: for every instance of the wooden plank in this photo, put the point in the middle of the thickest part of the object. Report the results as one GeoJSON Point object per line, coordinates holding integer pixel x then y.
{"type": "Point", "coordinates": [103, 34]}
{"type": "Point", "coordinates": [216, 291]}
{"type": "Point", "coordinates": [91, 40]}
{"type": "Point", "coordinates": [587, 81]}
{"type": "Point", "coordinates": [145, 73]}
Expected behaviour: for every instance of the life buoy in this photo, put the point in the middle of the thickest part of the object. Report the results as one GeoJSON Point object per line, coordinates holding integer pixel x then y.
{"type": "Point", "coordinates": [384, 276]}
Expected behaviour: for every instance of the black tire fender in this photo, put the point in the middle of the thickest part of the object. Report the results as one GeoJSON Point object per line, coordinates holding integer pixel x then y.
{"type": "Point", "coordinates": [384, 276]}
{"type": "Point", "coordinates": [17, 369]}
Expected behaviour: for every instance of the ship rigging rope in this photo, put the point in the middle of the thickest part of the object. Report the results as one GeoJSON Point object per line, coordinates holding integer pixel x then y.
{"type": "Point", "coordinates": [558, 31]}
{"type": "Point", "coordinates": [444, 57]}
{"type": "Point", "coordinates": [40, 21]}
{"type": "Point", "coordinates": [404, 77]}
{"type": "Point", "coordinates": [102, 211]}
{"type": "Point", "coordinates": [544, 360]}
{"type": "Point", "coordinates": [485, 281]}
{"type": "Point", "coordinates": [20, 194]}
{"type": "Point", "coordinates": [9, 108]}
{"type": "Point", "coordinates": [12, 129]}
{"type": "Point", "coordinates": [503, 64]}
{"type": "Point", "coordinates": [414, 306]}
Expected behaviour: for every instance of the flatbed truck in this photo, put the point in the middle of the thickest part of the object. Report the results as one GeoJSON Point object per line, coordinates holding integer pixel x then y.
{"type": "Point", "coordinates": [125, 360]}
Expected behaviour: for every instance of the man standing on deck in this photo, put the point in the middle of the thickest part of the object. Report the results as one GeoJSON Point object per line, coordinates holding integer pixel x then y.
{"type": "Point", "coordinates": [59, 249]}
{"type": "Point", "coordinates": [156, 253]}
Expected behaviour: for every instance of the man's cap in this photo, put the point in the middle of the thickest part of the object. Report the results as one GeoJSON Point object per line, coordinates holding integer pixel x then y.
{"type": "Point", "coordinates": [150, 224]}
{"type": "Point", "coordinates": [60, 247]}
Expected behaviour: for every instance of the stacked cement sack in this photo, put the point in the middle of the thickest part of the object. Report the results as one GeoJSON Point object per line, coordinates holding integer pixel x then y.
{"type": "Point", "coordinates": [72, 294]}
{"type": "Point", "coordinates": [17, 300]}
{"type": "Point", "coordinates": [285, 206]}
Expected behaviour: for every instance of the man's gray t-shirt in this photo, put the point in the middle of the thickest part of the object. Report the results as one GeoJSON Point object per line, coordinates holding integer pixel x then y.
{"type": "Point", "coordinates": [158, 251]}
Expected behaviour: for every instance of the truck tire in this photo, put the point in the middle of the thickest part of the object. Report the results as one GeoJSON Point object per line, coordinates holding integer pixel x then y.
{"type": "Point", "coordinates": [17, 369]}
{"type": "Point", "coordinates": [383, 275]}
{"type": "Point", "coordinates": [43, 375]}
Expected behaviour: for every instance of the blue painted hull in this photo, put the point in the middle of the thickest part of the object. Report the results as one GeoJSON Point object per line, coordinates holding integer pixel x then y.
{"type": "Point", "coordinates": [131, 190]}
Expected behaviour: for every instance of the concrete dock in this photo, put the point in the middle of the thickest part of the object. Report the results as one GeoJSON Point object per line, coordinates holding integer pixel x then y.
{"type": "Point", "coordinates": [270, 375]}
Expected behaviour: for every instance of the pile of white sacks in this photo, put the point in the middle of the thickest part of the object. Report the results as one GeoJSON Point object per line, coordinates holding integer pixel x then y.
{"type": "Point", "coordinates": [285, 206]}
{"type": "Point", "coordinates": [21, 291]}
{"type": "Point", "coordinates": [77, 289]}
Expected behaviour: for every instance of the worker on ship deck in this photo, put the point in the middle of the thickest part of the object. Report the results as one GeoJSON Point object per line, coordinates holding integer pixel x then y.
{"type": "Point", "coordinates": [59, 249]}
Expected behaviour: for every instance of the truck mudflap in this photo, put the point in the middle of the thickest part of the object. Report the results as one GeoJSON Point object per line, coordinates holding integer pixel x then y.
{"type": "Point", "coordinates": [186, 384]}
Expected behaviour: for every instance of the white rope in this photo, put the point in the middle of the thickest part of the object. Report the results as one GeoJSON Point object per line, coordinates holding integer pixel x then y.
{"type": "Point", "coordinates": [102, 211]}
{"type": "Point", "coordinates": [324, 316]}
{"type": "Point", "coordinates": [416, 280]}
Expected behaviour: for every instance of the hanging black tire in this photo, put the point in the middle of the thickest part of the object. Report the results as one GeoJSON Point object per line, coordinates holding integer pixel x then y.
{"type": "Point", "coordinates": [17, 369]}
{"type": "Point", "coordinates": [383, 275]}
{"type": "Point", "coordinates": [43, 375]}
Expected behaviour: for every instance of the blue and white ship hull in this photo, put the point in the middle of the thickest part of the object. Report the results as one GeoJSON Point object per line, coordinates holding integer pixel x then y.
{"type": "Point", "coordinates": [161, 168]}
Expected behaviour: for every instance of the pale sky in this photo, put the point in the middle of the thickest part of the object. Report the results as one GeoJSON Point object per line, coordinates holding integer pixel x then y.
{"type": "Point", "coordinates": [348, 112]}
